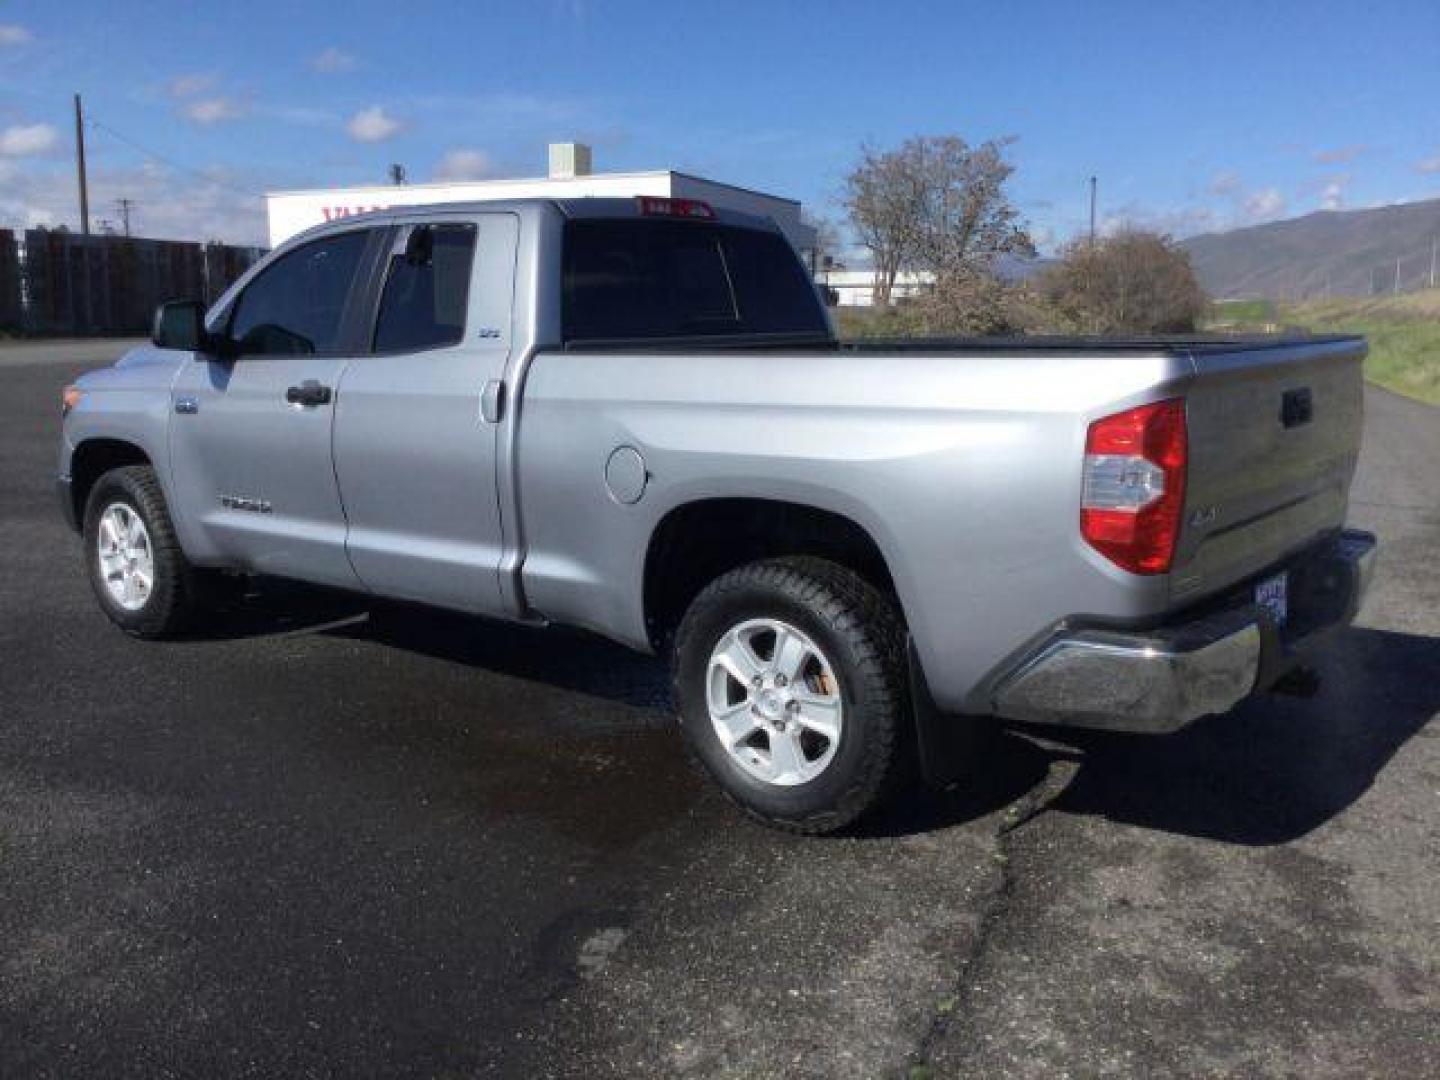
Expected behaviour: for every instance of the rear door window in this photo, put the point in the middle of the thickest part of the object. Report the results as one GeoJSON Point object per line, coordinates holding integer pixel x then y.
{"type": "Point", "coordinates": [427, 290]}
{"type": "Point", "coordinates": [637, 278]}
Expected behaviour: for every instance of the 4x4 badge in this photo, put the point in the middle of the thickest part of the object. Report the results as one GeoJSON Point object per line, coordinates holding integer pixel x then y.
{"type": "Point", "coordinates": [1204, 516]}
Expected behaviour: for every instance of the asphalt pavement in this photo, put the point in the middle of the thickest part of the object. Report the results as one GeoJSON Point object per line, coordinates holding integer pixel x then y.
{"type": "Point", "coordinates": [331, 839]}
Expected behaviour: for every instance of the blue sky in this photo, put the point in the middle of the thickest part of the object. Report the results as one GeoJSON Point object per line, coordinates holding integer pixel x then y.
{"type": "Point", "coordinates": [1194, 116]}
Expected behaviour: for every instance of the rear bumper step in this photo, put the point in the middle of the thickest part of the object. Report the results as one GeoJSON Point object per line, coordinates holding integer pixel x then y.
{"type": "Point", "coordinates": [1159, 680]}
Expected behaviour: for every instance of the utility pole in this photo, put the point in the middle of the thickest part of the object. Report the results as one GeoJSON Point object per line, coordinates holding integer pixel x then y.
{"type": "Point", "coordinates": [1397, 275]}
{"type": "Point", "coordinates": [80, 166]}
{"type": "Point", "coordinates": [1433, 240]}
{"type": "Point", "coordinates": [1092, 211]}
{"type": "Point", "coordinates": [124, 206]}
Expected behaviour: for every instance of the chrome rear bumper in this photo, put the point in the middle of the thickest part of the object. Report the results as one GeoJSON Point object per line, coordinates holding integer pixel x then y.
{"type": "Point", "coordinates": [1161, 679]}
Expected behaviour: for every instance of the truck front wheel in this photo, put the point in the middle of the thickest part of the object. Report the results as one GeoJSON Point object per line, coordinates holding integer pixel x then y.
{"type": "Point", "coordinates": [139, 574]}
{"type": "Point", "coordinates": [790, 676]}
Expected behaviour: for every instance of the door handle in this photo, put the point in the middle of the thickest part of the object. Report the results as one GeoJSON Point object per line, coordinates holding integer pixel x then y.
{"type": "Point", "coordinates": [1297, 407]}
{"type": "Point", "coordinates": [492, 401]}
{"type": "Point", "coordinates": [308, 393]}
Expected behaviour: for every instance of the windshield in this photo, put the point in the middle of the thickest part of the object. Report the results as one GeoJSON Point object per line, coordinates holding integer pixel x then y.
{"type": "Point", "coordinates": [629, 278]}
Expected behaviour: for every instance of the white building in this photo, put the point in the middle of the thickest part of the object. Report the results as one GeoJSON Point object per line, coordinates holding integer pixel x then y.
{"type": "Point", "coordinates": [856, 288]}
{"type": "Point", "coordinates": [570, 177]}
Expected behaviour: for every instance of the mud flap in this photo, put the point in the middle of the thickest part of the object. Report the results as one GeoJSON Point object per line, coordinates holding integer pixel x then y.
{"type": "Point", "coordinates": [944, 743]}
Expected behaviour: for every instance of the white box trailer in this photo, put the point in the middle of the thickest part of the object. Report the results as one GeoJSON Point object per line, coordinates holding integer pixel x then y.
{"type": "Point", "coordinates": [291, 212]}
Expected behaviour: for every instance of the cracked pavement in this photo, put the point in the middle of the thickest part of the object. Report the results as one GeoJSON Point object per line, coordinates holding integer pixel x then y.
{"type": "Point", "coordinates": [335, 840]}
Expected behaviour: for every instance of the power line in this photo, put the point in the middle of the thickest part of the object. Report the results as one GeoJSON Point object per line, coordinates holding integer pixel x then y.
{"type": "Point", "coordinates": [100, 126]}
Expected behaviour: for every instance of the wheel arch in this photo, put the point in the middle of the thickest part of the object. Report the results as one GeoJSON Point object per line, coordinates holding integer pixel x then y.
{"type": "Point", "coordinates": [697, 541]}
{"type": "Point", "coordinates": [92, 459]}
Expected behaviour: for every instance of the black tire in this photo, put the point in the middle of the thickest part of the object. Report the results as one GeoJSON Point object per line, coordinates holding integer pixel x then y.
{"type": "Point", "coordinates": [862, 635]}
{"type": "Point", "coordinates": [174, 595]}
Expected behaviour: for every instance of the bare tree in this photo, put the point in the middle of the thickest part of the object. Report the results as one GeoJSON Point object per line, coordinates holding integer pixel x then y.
{"type": "Point", "coordinates": [1132, 282]}
{"type": "Point", "coordinates": [934, 203]}
{"type": "Point", "coordinates": [885, 201]}
{"type": "Point", "coordinates": [968, 218]}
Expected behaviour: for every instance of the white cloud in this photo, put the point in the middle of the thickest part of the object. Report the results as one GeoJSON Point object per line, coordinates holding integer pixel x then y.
{"type": "Point", "coordinates": [168, 205]}
{"type": "Point", "coordinates": [1341, 155]}
{"type": "Point", "coordinates": [24, 140]}
{"type": "Point", "coordinates": [1429, 165]}
{"type": "Point", "coordinates": [464, 165]}
{"type": "Point", "coordinates": [1043, 237]}
{"type": "Point", "coordinates": [184, 86]}
{"type": "Point", "coordinates": [1225, 182]}
{"type": "Point", "coordinates": [333, 60]}
{"type": "Point", "coordinates": [1182, 221]}
{"type": "Point", "coordinates": [1264, 205]}
{"type": "Point", "coordinates": [1226, 202]}
{"type": "Point", "coordinates": [213, 108]}
{"type": "Point", "coordinates": [11, 34]}
{"type": "Point", "coordinates": [373, 125]}
{"type": "Point", "coordinates": [209, 111]}
{"type": "Point", "coordinates": [1332, 194]}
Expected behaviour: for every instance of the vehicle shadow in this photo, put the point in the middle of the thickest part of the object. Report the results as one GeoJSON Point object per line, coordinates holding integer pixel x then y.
{"type": "Point", "coordinates": [253, 608]}
{"type": "Point", "coordinates": [1012, 768]}
{"type": "Point", "coordinates": [1270, 771]}
{"type": "Point", "coordinates": [582, 663]}
{"type": "Point", "coordinates": [558, 656]}
{"type": "Point", "coordinates": [1277, 767]}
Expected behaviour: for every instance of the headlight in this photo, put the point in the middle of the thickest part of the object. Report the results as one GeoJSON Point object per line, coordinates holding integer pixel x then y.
{"type": "Point", "coordinates": [69, 398]}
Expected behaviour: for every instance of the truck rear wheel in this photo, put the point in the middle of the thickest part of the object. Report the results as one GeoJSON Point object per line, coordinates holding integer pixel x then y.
{"type": "Point", "coordinates": [791, 681]}
{"type": "Point", "coordinates": [139, 574]}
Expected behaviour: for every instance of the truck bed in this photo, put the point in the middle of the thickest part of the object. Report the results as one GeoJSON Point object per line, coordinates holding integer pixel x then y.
{"type": "Point", "coordinates": [968, 474]}
{"type": "Point", "coordinates": [1202, 344]}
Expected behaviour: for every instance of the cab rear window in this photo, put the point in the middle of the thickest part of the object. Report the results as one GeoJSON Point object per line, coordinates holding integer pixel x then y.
{"type": "Point", "coordinates": [626, 278]}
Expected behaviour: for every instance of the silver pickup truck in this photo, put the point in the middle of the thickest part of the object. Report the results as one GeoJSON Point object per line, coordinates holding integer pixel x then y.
{"type": "Point", "coordinates": [633, 416]}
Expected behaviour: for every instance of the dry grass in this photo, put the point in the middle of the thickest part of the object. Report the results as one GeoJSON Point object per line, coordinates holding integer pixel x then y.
{"type": "Point", "coordinates": [1403, 331]}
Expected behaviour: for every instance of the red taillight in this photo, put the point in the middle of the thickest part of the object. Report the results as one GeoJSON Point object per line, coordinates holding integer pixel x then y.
{"type": "Point", "coordinates": [1134, 486]}
{"type": "Point", "coordinates": [656, 206]}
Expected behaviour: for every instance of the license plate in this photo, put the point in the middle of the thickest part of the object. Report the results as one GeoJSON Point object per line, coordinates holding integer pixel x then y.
{"type": "Point", "coordinates": [1272, 596]}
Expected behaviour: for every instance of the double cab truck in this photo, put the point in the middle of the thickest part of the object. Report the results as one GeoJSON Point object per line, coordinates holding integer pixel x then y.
{"type": "Point", "coordinates": [634, 416]}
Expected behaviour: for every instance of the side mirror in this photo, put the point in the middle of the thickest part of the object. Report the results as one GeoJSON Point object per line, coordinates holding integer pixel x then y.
{"type": "Point", "coordinates": [180, 324]}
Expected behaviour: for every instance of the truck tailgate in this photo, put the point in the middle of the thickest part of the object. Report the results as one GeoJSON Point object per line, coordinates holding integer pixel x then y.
{"type": "Point", "coordinates": [1274, 437]}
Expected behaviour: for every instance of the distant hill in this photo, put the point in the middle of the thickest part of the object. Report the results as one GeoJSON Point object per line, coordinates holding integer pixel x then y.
{"type": "Point", "coordinates": [1330, 252]}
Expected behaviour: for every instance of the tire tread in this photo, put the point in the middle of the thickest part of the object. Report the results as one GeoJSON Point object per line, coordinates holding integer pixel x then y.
{"type": "Point", "coordinates": [873, 628]}
{"type": "Point", "coordinates": [172, 607]}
